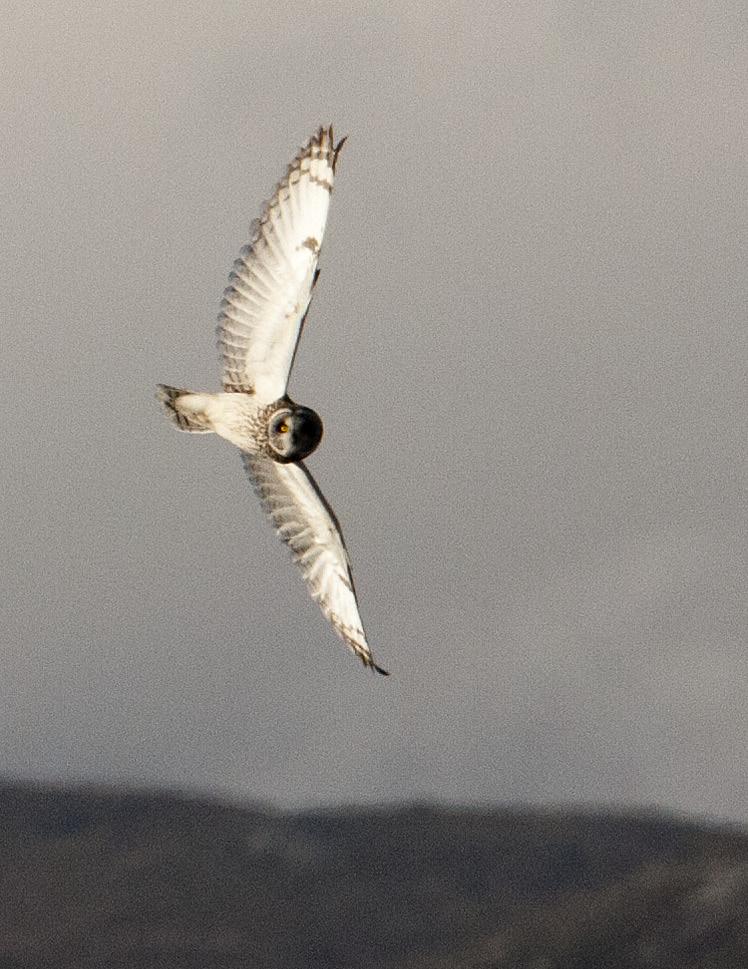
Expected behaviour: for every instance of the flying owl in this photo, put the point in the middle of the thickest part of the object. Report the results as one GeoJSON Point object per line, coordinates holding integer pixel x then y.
{"type": "Point", "coordinates": [261, 318]}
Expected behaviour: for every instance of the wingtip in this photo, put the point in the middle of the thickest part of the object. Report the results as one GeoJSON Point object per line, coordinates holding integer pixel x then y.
{"type": "Point", "coordinates": [337, 148]}
{"type": "Point", "coordinates": [369, 661]}
{"type": "Point", "coordinates": [324, 135]}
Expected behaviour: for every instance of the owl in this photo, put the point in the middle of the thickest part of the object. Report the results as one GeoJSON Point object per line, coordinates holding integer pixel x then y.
{"type": "Point", "coordinates": [259, 325]}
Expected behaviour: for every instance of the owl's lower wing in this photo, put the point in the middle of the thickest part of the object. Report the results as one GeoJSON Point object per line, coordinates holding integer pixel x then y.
{"type": "Point", "coordinates": [270, 288]}
{"type": "Point", "coordinates": [307, 524]}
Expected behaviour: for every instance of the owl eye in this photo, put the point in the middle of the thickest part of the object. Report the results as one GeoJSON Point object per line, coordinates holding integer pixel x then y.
{"type": "Point", "coordinates": [282, 427]}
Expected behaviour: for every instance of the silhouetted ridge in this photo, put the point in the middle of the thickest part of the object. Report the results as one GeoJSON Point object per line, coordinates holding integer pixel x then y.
{"type": "Point", "coordinates": [134, 879]}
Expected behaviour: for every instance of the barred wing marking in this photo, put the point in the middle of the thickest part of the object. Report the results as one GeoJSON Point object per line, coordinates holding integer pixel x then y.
{"type": "Point", "coordinates": [270, 287]}
{"type": "Point", "coordinates": [307, 524]}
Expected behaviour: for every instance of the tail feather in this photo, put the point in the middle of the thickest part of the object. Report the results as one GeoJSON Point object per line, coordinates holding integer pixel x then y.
{"type": "Point", "coordinates": [178, 409]}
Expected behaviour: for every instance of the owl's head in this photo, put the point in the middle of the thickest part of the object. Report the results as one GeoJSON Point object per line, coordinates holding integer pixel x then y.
{"type": "Point", "coordinates": [293, 432]}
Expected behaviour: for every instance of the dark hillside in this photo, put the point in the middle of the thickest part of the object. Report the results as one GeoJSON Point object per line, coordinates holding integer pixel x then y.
{"type": "Point", "coordinates": [92, 878]}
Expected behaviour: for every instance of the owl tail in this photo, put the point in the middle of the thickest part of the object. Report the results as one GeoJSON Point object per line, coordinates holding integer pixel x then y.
{"type": "Point", "coordinates": [184, 409]}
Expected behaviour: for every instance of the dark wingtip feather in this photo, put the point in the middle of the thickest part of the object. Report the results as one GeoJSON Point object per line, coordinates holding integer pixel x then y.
{"type": "Point", "coordinates": [336, 149]}
{"type": "Point", "coordinates": [369, 662]}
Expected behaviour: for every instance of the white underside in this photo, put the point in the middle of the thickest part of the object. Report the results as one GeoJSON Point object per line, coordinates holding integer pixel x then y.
{"type": "Point", "coordinates": [229, 415]}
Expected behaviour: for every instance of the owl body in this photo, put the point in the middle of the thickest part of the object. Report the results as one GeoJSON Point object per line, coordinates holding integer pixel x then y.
{"type": "Point", "coordinates": [283, 430]}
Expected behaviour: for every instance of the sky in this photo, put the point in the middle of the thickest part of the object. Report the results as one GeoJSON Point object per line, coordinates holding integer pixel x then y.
{"type": "Point", "coordinates": [528, 346]}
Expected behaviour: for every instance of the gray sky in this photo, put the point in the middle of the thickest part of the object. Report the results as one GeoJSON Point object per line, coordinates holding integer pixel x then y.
{"type": "Point", "coordinates": [529, 349]}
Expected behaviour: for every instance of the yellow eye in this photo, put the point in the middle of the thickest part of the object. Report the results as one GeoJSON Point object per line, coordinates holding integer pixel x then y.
{"type": "Point", "coordinates": [283, 428]}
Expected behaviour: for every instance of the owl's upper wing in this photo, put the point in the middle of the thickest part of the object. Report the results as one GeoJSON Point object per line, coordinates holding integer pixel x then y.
{"type": "Point", "coordinates": [307, 524]}
{"type": "Point", "coordinates": [270, 287]}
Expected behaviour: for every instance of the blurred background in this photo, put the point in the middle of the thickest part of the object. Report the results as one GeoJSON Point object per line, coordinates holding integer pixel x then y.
{"type": "Point", "coordinates": [528, 346]}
